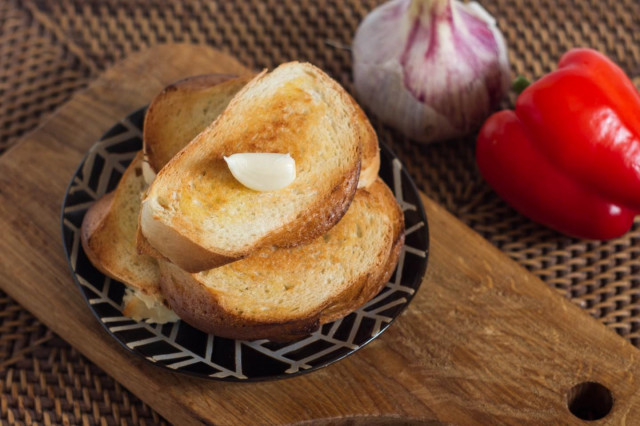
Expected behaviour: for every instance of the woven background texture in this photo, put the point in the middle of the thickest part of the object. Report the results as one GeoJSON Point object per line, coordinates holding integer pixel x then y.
{"type": "Point", "coordinates": [50, 49]}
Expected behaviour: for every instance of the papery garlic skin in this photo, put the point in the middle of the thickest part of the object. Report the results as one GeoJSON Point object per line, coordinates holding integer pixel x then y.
{"type": "Point", "coordinates": [262, 171]}
{"type": "Point", "coordinates": [433, 69]}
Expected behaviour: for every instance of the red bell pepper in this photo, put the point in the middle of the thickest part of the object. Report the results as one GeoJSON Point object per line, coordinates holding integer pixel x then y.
{"type": "Point", "coordinates": [569, 155]}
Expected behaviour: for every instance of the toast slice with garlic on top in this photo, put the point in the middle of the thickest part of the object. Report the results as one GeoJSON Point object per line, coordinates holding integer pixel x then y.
{"type": "Point", "coordinates": [185, 108]}
{"type": "Point", "coordinates": [108, 237]}
{"type": "Point", "coordinates": [283, 294]}
{"type": "Point", "coordinates": [167, 132]}
{"type": "Point", "coordinates": [198, 216]}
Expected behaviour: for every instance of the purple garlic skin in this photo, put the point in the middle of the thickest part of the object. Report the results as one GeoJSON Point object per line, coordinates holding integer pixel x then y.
{"type": "Point", "coordinates": [433, 69]}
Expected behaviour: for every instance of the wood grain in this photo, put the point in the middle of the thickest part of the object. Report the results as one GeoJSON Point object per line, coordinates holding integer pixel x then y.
{"type": "Point", "coordinates": [483, 341]}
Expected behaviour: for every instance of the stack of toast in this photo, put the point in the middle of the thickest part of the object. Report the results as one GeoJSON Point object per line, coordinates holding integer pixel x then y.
{"type": "Point", "coordinates": [191, 242]}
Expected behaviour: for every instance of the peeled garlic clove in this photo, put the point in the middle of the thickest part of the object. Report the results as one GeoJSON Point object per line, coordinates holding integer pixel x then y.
{"type": "Point", "coordinates": [433, 69]}
{"type": "Point", "coordinates": [262, 171]}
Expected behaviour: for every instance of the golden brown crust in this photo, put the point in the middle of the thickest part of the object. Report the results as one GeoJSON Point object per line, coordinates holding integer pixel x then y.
{"type": "Point", "coordinates": [369, 175]}
{"type": "Point", "coordinates": [370, 148]}
{"type": "Point", "coordinates": [198, 306]}
{"type": "Point", "coordinates": [370, 284]}
{"type": "Point", "coordinates": [316, 221]}
{"type": "Point", "coordinates": [95, 220]}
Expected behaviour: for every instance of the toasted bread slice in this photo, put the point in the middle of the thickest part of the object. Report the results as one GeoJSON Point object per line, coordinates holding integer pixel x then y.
{"type": "Point", "coordinates": [198, 216]}
{"type": "Point", "coordinates": [283, 294]}
{"type": "Point", "coordinates": [370, 160]}
{"type": "Point", "coordinates": [184, 109]}
{"type": "Point", "coordinates": [109, 240]}
{"type": "Point", "coordinates": [187, 107]}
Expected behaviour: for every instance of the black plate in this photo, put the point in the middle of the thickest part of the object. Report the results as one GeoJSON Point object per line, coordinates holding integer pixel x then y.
{"type": "Point", "coordinates": [182, 348]}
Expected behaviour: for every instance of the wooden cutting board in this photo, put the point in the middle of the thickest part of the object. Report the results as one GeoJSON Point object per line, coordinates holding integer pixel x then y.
{"type": "Point", "coordinates": [484, 341]}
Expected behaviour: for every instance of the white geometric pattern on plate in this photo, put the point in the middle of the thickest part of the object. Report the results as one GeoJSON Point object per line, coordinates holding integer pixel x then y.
{"type": "Point", "coordinates": [179, 346]}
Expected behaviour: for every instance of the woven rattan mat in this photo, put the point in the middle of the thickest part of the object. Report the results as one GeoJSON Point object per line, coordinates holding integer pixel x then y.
{"type": "Point", "coordinates": [49, 49]}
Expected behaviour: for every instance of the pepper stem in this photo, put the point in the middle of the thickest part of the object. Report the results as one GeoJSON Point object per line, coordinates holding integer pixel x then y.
{"type": "Point", "coordinates": [520, 83]}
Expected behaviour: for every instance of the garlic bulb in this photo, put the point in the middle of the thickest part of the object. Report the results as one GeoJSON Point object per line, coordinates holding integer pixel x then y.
{"type": "Point", "coordinates": [433, 69]}
{"type": "Point", "coordinates": [262, 171]}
